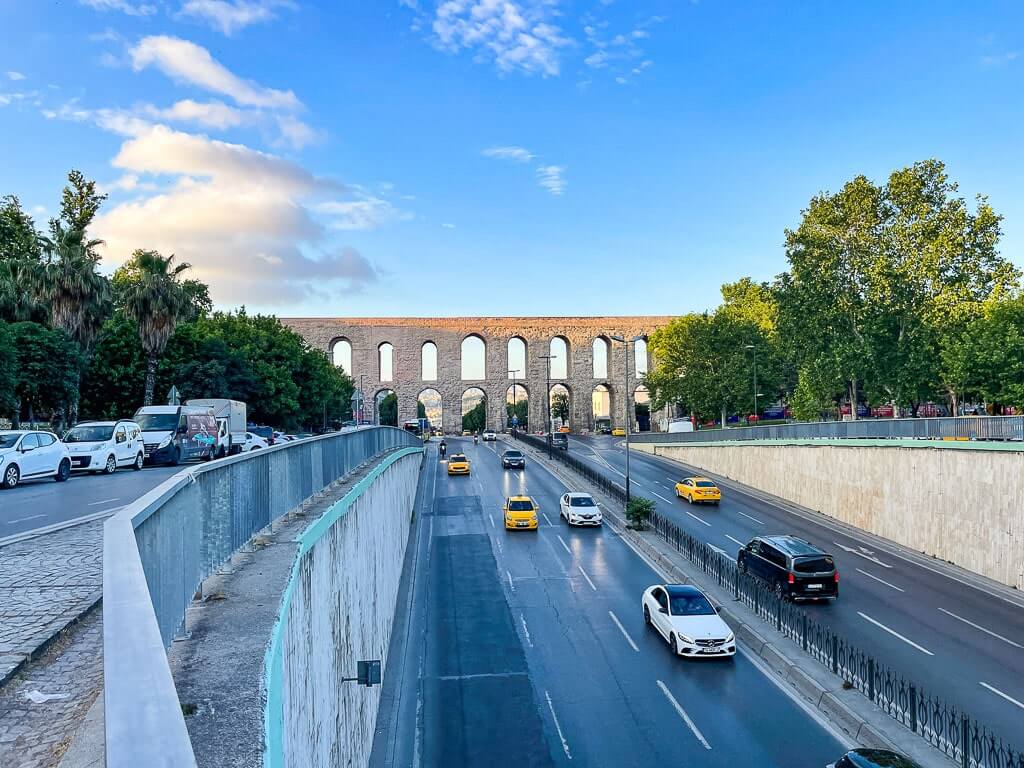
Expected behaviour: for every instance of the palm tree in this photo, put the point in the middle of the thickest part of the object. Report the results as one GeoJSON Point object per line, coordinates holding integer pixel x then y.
{"type": "Point", "coordinates": [153, 295]}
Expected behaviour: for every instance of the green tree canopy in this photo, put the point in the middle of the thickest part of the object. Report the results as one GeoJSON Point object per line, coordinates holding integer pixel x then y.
{"type": "Point", "coordinates": [47, 367]}
{"type": "Point", "coordinates": [387, 411]}
{"type": "Point", "coordinates": [475, 420]}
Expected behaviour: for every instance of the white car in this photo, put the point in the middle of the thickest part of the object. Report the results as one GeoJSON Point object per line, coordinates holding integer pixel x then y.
{"type": "Point", "coordinates": [489, 434]}
{"type": "Point", "coordinates": [253, 442]}
{"type": "Point", "coordinates": [103, 446]}
{"type": "Point", "coordinates": [28, 454]}
{"type": "Point", "coordinates": [685, 617]}
{"type": "Point", "coordinates": [579, 509]}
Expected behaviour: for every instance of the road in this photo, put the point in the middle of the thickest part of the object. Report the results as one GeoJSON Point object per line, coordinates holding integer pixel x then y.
{"type": "Point", "coordinates": [529, 648]}
{"type": "Point", "coordinates": [958, 637]}
{"type": "Point", "coordinates": [40, 503]}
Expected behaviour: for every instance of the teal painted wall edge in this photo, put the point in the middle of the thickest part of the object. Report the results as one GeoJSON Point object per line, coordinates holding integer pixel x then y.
{"type": "Point", "coordinates": [854, 442]}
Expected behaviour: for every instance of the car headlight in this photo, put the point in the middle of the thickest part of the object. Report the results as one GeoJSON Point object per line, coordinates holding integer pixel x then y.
{"type": "Point", "coordinates": [687, 640]}
{"type": "Point", "coordinates": [730, 638]}
{"type": "Point", "coordinates": [165, 442]}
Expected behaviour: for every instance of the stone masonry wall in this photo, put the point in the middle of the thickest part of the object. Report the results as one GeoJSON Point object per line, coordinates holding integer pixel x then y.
{"type": "Point", "coordinates": [409, 334]}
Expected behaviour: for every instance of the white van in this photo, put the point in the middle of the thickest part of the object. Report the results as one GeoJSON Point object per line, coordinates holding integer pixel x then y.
{"type": "Point", "coordinates": [680, 425]}
{"type": "Point", "coordinates": [103, 446]}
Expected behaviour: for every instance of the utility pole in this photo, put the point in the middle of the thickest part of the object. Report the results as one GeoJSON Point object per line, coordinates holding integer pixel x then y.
{"type": "Point", "coordinates": [547, 400]}
{"type": "Point", "coordinates": [754, 350]}
{"type": "Point", "coordinates": [626, 396]}
{"type": "Point", "coordinates": [514, 403]}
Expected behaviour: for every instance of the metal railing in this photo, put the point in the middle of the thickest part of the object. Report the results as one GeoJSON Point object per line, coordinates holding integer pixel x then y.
{"type": "Point", "coordinates": [158, 550]}
{"type": "Point", "coordinates": [610, 487]}
{"type": "Point", "coordinates": [952, 428]}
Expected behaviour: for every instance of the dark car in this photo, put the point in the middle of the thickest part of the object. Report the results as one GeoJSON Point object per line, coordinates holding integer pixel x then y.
{"type": "Point", "coordinates": [794, 568]}
{"type": "Point", "coordinates": [512, 459]}
{"type": "Point", "coordinates": [267, 433]}
{"type": "Point", "coordinates": [873, 758]}
{"type": "Point", "coordinates": [559, 440]}
{"type": "Point", "coordinates": [604, 429]}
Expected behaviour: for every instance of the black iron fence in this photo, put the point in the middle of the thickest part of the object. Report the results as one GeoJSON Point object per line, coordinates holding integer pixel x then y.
{"type": "Point", "coordinates": [962, 737]}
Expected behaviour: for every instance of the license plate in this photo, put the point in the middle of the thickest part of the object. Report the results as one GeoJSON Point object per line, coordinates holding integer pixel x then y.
{"type": "Point", "coordinates": [709, 650]}
{"type": "Point", "coordinates": [814, 586]}
{"type": "Point", "coordinates": [522, 525]}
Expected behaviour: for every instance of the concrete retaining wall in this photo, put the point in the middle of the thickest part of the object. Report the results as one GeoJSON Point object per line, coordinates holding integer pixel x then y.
{"type": "Point", "coordinates": [339, 608]}
{"type": "Point", "coordinates": [964, 506]}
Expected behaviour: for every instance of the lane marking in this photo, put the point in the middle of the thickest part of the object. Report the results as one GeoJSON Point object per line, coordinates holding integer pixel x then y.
{"type": "Point", "coordinates": [545, 516]}
{"type": "Point", "coordinates": [585, 576]}
{"type": "Point", "coordinates": [997, 692]}
{"type": "Point", "coordinates": [894, 633]}
{"type": "Point", "coordinates": [719, 551]}
{"type": "Point", "coordinates": [480, 675]}
{"type": "Point", "coordinates": [860, 553]}
{"type": "Point", "coordinates": [661, 497]}
{"type": "Point", "coordinates": [511, 584]}
{"type": "Point", "coordinates": [492, 520]}
{"type": "Point", "coordinates": [526, 630]}
{"type": "Point", "coordinates": [564, 545]}
{"type": "Point", "coordinates": [634, 482]}
{"type": "Point", "coordinates": [23, 519]}
{"type": "Point", "coordinates": [978, 626]}
{"type": "Point", "coordinates": [699, 520]}
{"type": "Point", "coordinates": [749, 517]}
{"type": "Point", "coordinates": [105, 501]}
{"type": "Point", "coordinates": [737, 541]}
{"type": "Point", "coordinates": [682, 714]}
{"type": "Point", "coordinates": [558, 727]}
{"type": "Point", "coordinates": [881, 581]}
{"type": "Point", "coordinates": [622, 629]}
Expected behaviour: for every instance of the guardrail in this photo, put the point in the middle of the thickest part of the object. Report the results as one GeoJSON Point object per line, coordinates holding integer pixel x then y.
{"type": "Point", "coordinates": [159, 549]}
{"type": "Point", "coordinates": [954, 427]}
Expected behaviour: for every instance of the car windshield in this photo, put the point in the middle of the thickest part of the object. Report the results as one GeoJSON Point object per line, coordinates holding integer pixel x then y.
{"type": "Point", "coordinates": [8, 439]}
{"type": "Point", "coordinates": [458, 457]}
{"type": "Point", "coordinates": [520, 505]}
{"type": "Point", "coordinates": [691, 605]}
{"type": "Point", "coordinates": [513, 455]}
{"type": "Point", "coordinates": [89, 433]}
{"type": "Point", "coordinates": [818, 564]}
{"type": "Point", "coordinates": [581, 501]}
{"type": "Point", "coordinates": [157, 422]}
{"type": "Point", "coordinates": [705, 484]}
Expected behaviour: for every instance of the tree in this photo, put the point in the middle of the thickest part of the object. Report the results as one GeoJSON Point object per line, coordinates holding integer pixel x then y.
{"type": "Point", "coordinates": [638, 511]}
{"type": "Point", "coordinates": [8, 371]}
{"type": "Point", "coordinates": [560, 406]}
{"type": "Point", "coordinates": [47, 368]}
{"type": "Point", "coordinates": [18, 236]}
{"type": "Point", "coordinates": [114, 378]}
{"type": "Point", "coordinates": [79, 203]}
{"type": "Point", "coordinates": [421, 410]}
{"type": "Point", "coordinates": [387, 411]}
{"type": "Point", "coordinates": [475, 419]}
{"type": "Point", "coordinates": [995, 353]}
{"type": "Point", "coordinates": [520, 409]}
{"type": "Point", "coordinates": [153, 296]}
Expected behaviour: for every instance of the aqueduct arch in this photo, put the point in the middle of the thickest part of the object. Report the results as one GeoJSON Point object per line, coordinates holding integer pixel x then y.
{"type": "Point", "coordinates": [365, 336]}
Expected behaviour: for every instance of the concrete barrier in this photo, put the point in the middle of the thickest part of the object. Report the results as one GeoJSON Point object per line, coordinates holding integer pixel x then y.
{"type": "Point", "coordinates": [958, 502]}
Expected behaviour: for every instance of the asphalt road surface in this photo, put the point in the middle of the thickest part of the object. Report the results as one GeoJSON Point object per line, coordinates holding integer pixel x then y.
{"type": "Point", "coordinates": [39, 503]}
{"type": "Point", "coordinates": [959, 637]}
{"type": "Point", "coordinates": [529, 648]}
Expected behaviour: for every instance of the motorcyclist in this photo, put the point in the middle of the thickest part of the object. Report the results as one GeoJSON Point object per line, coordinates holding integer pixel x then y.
{"type": "Point", "coordinates": [476, 438]}
{"type": "Point", "coordinates": [443, 447]}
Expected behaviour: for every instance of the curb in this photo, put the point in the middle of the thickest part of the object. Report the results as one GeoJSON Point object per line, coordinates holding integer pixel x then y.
{"type": "Point", "coordinates": [36, 532]}
{"type": "Point", "coordinates": [857, 717]}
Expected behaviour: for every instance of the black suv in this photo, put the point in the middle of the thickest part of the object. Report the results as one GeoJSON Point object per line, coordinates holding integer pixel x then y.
{"type": "Point", "coordinates": [559, 440]}
{"type": "Point", "coordinates": [513, 459]}
{"type": "Point", "coordinates": [795, 569]}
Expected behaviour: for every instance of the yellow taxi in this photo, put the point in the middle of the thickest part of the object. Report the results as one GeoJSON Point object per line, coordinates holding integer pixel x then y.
{"type": "Point", "coordinates": [458, 464]}
{"type": "Point", "coordinates": [564, 429]}
{"type": "Point", "coordinates": [699, 490]}
{"type": "Point", "coordinates": [520, 513]}
{"type": "Point", "coordinates": [618, 432]}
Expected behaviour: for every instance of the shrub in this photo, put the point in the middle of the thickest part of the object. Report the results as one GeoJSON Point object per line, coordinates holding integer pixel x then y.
{"type": "Point", "coordinates": [638, 510]}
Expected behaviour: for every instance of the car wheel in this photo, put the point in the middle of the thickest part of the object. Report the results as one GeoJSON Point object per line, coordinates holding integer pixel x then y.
{"type": "Point", "coordinates": [11, 476]}
{"type": "Point", "coordinates": [689, 499]}
{"type": "Point", "coordinates": [63, 471]}
{"type": "Point", "coordinates": [675, 646]}
{"type": "Point", "coordinates": [647, 616]}
{"type": "Point", "coordinates": [140, 461]}
{"type": "Point", "coordinates": [111, 466]}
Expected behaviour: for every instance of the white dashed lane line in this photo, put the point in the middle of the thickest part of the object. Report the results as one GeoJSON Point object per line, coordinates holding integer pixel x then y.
{"type": "Point", "coordinates": [622, 629]}
{"type": "Point", "coordinates": [587, 577]}
{"type": "Point", "coordinates": [997, 692]}
{"type": "Point", "coordinates": [564, 545]}
{"type": "Point", "coordinates": [661, 497]}
{"type": "Point", "coordinates": [682, 713]}
{"type": "Point", "coordinates": [881, 581]}
{"type": "Point", "coordinates": [699, 520]}
{"type": "Point", "coordinates": [749, 517]}
{"type": "Point", "coordinates": [894, 633]}
{"type": "Point", "coordinates": [737, 541]}
{"type": "Point", "coordinates": [548, 519]}
{"type": "Point", "coordinates": [558, 727]}
{"type": "Point", "coordinates": [981, 628]}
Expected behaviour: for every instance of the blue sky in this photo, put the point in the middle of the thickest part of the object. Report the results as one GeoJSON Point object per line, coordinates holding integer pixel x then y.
{"type": "Point", "coordinates": [495, 157]}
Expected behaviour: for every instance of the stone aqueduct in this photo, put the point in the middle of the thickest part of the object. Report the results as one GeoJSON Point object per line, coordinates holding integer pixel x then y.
{"type": "Point", "coordinates": [407, 336]}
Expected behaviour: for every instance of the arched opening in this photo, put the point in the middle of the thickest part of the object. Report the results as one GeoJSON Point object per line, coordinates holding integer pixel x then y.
{"type": "Point", "coordinates": [642, 409]}
{"type": "Point", "coordinates": [600, 358]}
{"type": "Point", "coordinates": [386, 407]}
{"type": "Point", "coordinates": [429, 407]}
{"type": "Point", "coordinates": [474, 359]}
{"type": "Point", "coordinates": [474, 410]}
{"type": "Point", "coordinates": [517, 407]}
{"type": "Point", "coordinates": [341, 354]}
{"type": "Point", "coordinates": [601, 407]}
{"type": "Point", "coordinates": [640, 358]}
{"type": "Point", "coordinates": [386, 362]}
{"type": "Point", "coordinates": [516, 358]}
{"type": "Point", "coordinates": [560, 404]}
{"type": "Point", "coordinates": [428, 361]}
{"type": "Point", "coordinates": [559, 351]}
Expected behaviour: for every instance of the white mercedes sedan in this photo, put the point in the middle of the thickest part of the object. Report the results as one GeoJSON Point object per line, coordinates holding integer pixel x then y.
{"type": "Point", "coordinates": [688, 621]}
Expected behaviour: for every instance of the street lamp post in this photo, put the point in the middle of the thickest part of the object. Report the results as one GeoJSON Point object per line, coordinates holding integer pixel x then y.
{"type": "Point", "coordinates": [625, 396]}
{"type": "Point", "coordinates": [754, 350]}
{"type": "Point", "coordinates": [547, 359]}
{"type": "Point", "coordinates": [514, 403]}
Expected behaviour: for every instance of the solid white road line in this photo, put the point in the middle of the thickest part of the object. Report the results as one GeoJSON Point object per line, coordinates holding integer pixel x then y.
{"type": "Point", "coordinates": [526, 630]}
{"type": "Point", "coordinates": [895, 634]}
{"type": "Point", "coordinates": [545, 516]}
{"type": "Point", "coordinates": [105, 501]}
{"type": "Point", "coordinates": [737, 541]}
{"type": "Point", "coordinates": [750, 517]}
{"type": "Point", "coordinates": [511, 584]}
{"type": "Point", "coordinates": [661, 497]}
{"type": "Point", "coordinates": [622, 629]}
{"type": "Point", "coordinates": [997, 692]}
{"type": "Point", "coordinates": [699, 520]}
{"type": "Point", "coordinates": [882, 581]}
{"type": "Point", "coordinates": [978, 626]}
{"type": "Point", "coordinates": [564, 545]}
{"type": "Point", "coordinates": [558, 727]}
{"type": "Point", "coordinates": [587, 577]}
{"type": "Point", "coordinates": [492, 520]}
{"type": "Point", "coordinates": [682, 714]}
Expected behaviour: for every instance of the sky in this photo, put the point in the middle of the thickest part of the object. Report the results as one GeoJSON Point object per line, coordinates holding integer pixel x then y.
{"type": "Point", "coordinates": [495, 157]}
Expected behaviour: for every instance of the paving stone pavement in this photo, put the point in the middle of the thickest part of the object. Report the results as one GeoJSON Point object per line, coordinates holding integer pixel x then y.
{"type": "Point", "coordinates": [42, 706]}
{"type": "Point", "coordinates": [45, 583]}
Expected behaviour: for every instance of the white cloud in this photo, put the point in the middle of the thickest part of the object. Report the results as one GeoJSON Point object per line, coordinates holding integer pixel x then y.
{"type": "Point", "coordinates": [229, 16]}
{"type": "Point", "coordinates": [210, 114]}
{"type": "Point", "coordinates": [190, 63]}
{"type": "Point", "coordinates": [295, 133]}
{"type": "Point", "coordinates": [597, 60]}
{"type": "Point", "coordinates": [12, 75]}
{"type": "Point", "coordinates": [124, 6]}
{"type": "Point", "coordinates": [447, 225]}
{"type": "Point", "coordinates": [999, 60]}
{"type": "Point", "coordinates": [552, 178]}
{"type": "Point", "coordinates": [367, 213]}
{"type": "Point", "coordinates": [517, 154]}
